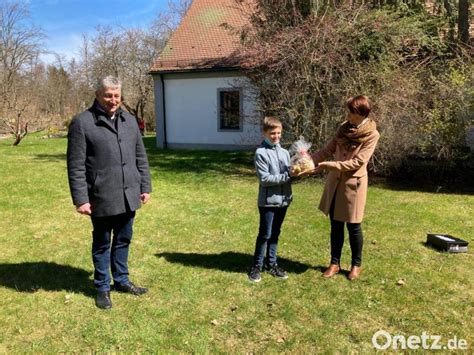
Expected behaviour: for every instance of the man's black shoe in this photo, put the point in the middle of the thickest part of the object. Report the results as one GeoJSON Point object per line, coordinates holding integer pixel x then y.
{"type": "Point", "coordinates": [102, 300]}
{"type": "Point", "coordinates": [130, 288]}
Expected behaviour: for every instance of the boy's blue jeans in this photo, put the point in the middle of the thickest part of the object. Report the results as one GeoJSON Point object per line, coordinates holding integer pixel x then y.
{"type": "Point", "coordinates": [271, 219]}
{"type": "Point", "coordinates": [116, 257]}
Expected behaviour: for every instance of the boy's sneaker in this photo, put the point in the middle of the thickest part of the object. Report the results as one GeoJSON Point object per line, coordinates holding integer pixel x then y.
{"type": "Point", "coordinates": [254, 274]}
{"type": "Point", "coordinates": [276, 271]}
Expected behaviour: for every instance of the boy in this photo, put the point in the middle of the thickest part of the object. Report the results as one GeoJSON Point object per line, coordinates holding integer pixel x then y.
{"type": "Point", "coordinates": [272, 163]}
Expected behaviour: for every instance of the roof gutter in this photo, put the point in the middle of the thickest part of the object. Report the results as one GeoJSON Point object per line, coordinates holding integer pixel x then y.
{"type": "Point", "coordinates": [195, 70]}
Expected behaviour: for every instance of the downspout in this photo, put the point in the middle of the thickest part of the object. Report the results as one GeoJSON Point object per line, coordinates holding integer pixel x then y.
{"type": "Point", "coordinates": [165, 140]}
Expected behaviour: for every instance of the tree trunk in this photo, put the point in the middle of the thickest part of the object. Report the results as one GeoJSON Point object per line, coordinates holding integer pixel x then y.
{"type": "Point", "coordinates": [18, 139]}
{"type": "Point", "coordinates": [19, 134]}
{"type": "Point", "coordinates": [463, 21]}
{"type": "Point", "coordinates": [452, 23]}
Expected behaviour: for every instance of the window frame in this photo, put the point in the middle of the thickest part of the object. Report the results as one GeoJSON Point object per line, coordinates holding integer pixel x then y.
{"type": "Point", "coordinates": [241, 105]}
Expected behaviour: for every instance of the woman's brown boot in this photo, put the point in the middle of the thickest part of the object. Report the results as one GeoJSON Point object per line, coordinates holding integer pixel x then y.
{"type": "Point", "coordinates": [355, 272]}
{"type": "Point", "coordinates": [332, 270]}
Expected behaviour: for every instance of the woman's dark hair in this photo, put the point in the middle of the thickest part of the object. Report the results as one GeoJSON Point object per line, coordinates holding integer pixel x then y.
{"type": "Point", "coordinates": [359, 105]}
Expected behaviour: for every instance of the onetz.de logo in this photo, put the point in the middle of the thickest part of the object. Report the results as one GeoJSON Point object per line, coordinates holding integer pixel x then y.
{"type": "Point", "coordinates": [382, 340]}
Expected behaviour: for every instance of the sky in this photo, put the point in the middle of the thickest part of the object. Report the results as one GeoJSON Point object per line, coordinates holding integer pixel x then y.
{"type": "Point", "coordinates": [65, 21]}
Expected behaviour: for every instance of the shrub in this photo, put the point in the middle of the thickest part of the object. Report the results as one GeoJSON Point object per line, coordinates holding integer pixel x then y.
{"type": "Point", "coordinates": [305, 64]}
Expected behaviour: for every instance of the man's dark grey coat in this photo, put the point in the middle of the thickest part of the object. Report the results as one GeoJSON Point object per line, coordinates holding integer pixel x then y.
{"type": "Point", "coordinates": [107, 162]}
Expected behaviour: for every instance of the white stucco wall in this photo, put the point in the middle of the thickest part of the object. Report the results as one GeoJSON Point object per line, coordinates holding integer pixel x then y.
{"type": "Point", "coordinates": [191, 110]}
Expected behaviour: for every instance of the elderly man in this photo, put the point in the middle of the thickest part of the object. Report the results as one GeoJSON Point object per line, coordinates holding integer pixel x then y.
{"type": "Point", "coordinates": [109, 179]}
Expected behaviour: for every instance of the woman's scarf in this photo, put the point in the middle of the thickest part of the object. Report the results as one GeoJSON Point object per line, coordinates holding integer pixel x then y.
{"type": "Point", "coordinates": [350, 136]}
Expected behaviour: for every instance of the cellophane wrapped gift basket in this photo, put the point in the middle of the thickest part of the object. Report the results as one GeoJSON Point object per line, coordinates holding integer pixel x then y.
{"type": "Point", "coordinates": [301, 161]}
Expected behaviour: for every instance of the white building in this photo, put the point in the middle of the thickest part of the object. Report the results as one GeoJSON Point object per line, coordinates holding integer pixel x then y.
{"type": "Point", "coordinates": [202, 100]}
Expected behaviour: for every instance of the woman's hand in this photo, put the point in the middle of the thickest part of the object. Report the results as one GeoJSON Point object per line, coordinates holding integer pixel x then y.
{"type": "Point", "coordinates": [321, 166]}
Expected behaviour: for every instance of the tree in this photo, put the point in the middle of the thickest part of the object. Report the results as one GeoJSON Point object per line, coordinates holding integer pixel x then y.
{"type": "Point", "coordinates": [56, 91]}
{"type": "Point", "coordinates": [19, 50]}
{"type": "Point", "coordinates": [36, 96]}
{"type": "Point", "coordinates": [463, 21]}
{"type": "Point", "coordinates": [128, 54]}
{"type": "Point", "coordinates": [166, 22]}
{"type": "Point", "coordinates": [306, 62]}
{"type": "Point", "coordinates": [143, 48]}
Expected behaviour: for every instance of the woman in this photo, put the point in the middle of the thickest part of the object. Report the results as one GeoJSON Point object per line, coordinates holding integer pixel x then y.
{"type": "Point", "coordinates": [345, 192]}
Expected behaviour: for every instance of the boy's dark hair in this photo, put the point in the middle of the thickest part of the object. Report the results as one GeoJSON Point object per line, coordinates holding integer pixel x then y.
{"type": "Point", "coordinates": [360, 105]}
{"type": "Point", "coordinates": [270, 122]}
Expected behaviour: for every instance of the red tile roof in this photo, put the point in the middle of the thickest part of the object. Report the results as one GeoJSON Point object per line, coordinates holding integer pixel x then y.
{"type": "Point", "coordinates": [205, 39]}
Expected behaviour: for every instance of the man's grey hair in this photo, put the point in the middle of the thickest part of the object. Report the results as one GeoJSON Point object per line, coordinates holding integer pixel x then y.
{"type": "Point", "coordinates": [109, 82]}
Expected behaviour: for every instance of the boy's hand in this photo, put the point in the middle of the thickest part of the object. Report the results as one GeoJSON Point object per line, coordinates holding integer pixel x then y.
{"type": "Point", "coordinates": [321, 166]}
{"type": "Point", "coordinates": [302, 173]}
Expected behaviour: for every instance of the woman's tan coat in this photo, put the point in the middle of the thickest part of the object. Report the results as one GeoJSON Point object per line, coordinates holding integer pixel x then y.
{"type": "Point", "coordinates": [347, 178]}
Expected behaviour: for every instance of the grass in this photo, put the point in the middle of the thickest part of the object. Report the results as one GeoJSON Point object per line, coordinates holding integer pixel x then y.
{"type": "Point", "coordinates": [192, 245]}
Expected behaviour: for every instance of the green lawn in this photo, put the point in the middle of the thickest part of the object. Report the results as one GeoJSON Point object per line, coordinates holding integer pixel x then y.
{"type": "Point", "coordinates": [192, 245]}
